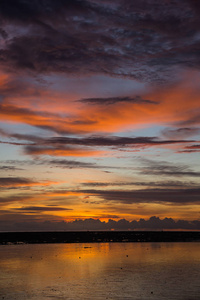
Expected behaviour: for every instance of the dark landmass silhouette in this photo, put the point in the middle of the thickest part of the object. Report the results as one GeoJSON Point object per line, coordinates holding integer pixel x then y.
{"type": "Point", "coordinates": [97, 237]}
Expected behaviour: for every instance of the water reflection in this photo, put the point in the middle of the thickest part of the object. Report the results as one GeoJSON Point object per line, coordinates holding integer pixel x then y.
{"type": "Point", "coordinates": [100, 271]}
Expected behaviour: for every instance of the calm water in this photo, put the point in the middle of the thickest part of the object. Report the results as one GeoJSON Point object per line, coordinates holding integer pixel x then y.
{"type": "Point", "coordinates": [100, 271]}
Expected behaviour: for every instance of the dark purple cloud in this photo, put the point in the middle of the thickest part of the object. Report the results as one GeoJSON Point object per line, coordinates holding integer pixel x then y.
{"type": "Point", "coordinates": [38, 145]}
{"type": "Point", "coordinates": [161, 184]}
{"type": "Point", "coordinates": [115, 100]}
{"type": "Point", "coordinates": [25, 113]}
{"type": "Point", "coordinates": [10, 168]}
{"type": "Point", "coordinates": [194, 120]}
{"type": "Point", "coordinates": [14, 198]}
{"type": "Point", "coordinates": [141, 39]}
{"type": "Point", "coordinates": [15, 181]}
{"type": "Point", "coordinates": [109, 141]}
{"type": "Point", "coordinates": [41, 208]}
{"type": "Point", "coordinates": [180, 133]}
{"type": "Point", "coordinates": [195, 148]}
{"type": "Point", "coordinates": [66, 144]}
{"type": "Point", "coordinates": [163, 168]}
{"type": "Point", "coordinates": [8, 183]}
{"type": "Point", "coordinates": [172, 196]}
{"type": "Point", "coordinates": [60, 163]}
{"type": "Point", "coordinates": [70, 164]}
{"type": "Point", "coordinates": [94, 141]}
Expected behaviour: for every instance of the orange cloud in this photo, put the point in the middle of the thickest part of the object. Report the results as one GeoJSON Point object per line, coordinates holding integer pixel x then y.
{"type": "Point", "coordinates": [8, 182]}
{"type": "Point", "coordinates": [64, 194]}
{"type": "Point", "coordinates": [175, 104]}
{"type": "Point", "coordinates": [63, 151]}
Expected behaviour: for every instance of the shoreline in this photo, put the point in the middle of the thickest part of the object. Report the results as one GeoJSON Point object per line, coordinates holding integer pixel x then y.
{"type": "Point", "coordinates": [7, 238]}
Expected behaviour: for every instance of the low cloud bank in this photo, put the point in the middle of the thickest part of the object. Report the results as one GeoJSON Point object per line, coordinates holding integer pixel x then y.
{"type": "Point", "coordinates": [153, 223]}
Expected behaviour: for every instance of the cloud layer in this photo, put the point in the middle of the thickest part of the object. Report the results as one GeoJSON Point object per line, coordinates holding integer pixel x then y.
{"type": "Point", "coordinates": [99, 113]}
{"type": "Point", "coordinates": [146, 39]}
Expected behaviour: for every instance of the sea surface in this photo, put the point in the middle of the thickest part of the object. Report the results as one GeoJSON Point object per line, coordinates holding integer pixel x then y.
{"type": "Point", "coordinates": [100, 271]}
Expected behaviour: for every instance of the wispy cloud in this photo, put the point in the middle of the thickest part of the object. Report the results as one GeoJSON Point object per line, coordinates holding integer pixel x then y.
{"type": "Point", "coordinates": [180, 133]}
{"type": "Point", "coordinates": [9, 182]}
{"type": "Point", "coordinates": [115, 100]}
{"type": "Point", "coordinates": [164, 168]}
{"type": "Point", "coordinates": [87, 146]}
{"type": "Point", "coordinates": [10, 168]}
{"type": "Point", "coordinates": [191, 149]}
{"type": "Point", "coordinates": [149, 195]}
{"type": "Point", "coordinates": [41, 208]}
{"type": "Point", "coordinates": [160, 184]}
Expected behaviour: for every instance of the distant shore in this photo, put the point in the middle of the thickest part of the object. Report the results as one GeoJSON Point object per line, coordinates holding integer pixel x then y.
{"type": "Point", "coordinates": [7, 238]}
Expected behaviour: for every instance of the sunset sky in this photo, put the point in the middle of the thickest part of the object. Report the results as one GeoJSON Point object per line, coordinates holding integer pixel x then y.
{"type": "Point", "coordinates": [99, 113]}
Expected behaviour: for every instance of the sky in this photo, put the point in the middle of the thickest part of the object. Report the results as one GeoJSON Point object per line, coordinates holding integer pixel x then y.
{"type": "Point", "coordinates": [99, 114]}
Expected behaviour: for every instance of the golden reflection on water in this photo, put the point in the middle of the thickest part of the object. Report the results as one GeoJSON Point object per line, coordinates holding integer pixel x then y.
{"type": "Point", "coordinates": [104, 270]}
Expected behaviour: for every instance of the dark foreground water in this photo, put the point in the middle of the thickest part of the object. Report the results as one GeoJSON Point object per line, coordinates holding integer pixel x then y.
{"type": "Point", "coordinates": [100, 271]}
